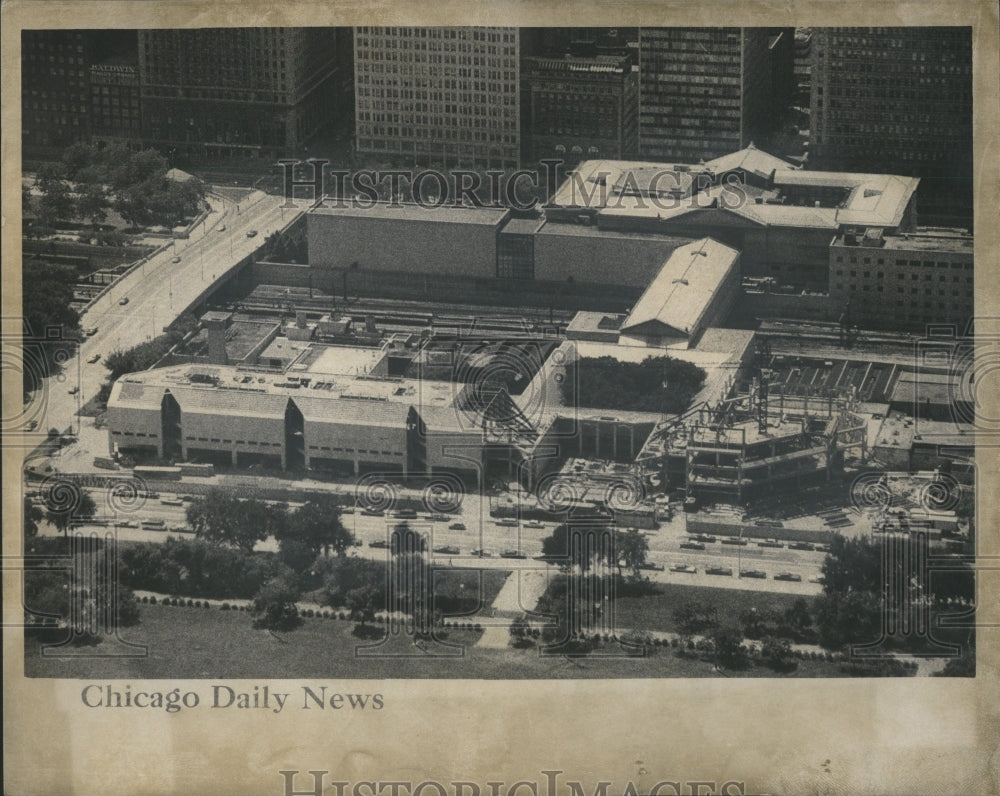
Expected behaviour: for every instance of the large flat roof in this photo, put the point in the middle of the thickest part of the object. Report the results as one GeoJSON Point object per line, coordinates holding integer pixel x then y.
{"type": "Point", "coordinates": [408, 211]}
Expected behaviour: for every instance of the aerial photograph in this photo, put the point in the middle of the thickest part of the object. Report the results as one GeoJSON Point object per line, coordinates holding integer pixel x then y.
{"type": "Point", "coordinates": [497, 353]}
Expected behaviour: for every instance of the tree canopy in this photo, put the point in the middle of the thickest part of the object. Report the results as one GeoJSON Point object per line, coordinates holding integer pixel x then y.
{"type": "Point", "coordinates": [657, 384]}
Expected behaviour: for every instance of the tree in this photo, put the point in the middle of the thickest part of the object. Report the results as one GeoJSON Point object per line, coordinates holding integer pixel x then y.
{"type": "Point", "coordinates": [729, 650]}
{"type": "Point", "coordinates": [274, 606]}
{"type": "Point", "coordinates": [318, 526]}
{"type": "Point", "coordinates": [631, 548]}
{"type": "Point", "coordinates": [364, 601]}
{"type": "Point", "coordinates": [777, 653]}
{"type": "Point", "coordinates": [93, 204]}
{"type": "Point", "coordinates": [345, 575]}
{"type": "Point", "coordinates": [223, 519]}
{"type": "Point", "coordinates": [81, 506]}
{"type": "Point", "coordinates": [56, 202]}
{"type": "Point", "coordinates": [32, 516]}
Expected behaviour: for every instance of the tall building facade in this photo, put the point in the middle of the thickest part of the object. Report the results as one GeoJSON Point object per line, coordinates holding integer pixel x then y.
{"type": "Point", "coordinates": [441, 95]}
{"type": "Point", "coordinates": [55, 93]}
{"type": "Point", "coordinates": [579, 107]}
{"type": "Point", "coordinates": [241, 92]}
{"type": "Point", "coordinates": [703, 92]}
{"type": "Point", "coordinates": [114, 103]}
{"type": "Point", "coordinates": [900, 98]}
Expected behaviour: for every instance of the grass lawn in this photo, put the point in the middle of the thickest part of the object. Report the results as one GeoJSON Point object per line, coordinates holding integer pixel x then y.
{"type": "Point", "coordinates": [656, 611]}
{"type": "Point", "coordinates": [201, 643]}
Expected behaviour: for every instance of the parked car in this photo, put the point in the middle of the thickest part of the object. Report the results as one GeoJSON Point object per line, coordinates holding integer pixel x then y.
{"type": "Point", "coordinates": [719, 571]}
{"type": "Point", "coordinates": [252, 233]}
{"type": "Point", "coordinates": [123, 300]}
{"type": "Point", "coordinates": [692, 546]}
{"type": "Point", "coordinates": [654, 567]}
{"type": "Point", "coordinates": [438, 517]}
{"type": "Point", "coordinates": [734, 540]}
{"type": "Point", "coordinates": [482, 553]}
{"type": "Point", "coordinates": [512, 554]}
{"type": "Point", "coordinates": [534, 524]}
{"type": "Point", "coordinates": [770, 543]}
{"type": "Point", "coordinates": [380, 543]}
{"type": "Point", "coordinates": [457, 526]}
{"type": "Point", "coordinates": [507, 523]}
{"type": "Point", "coordinates": [175, 259]}
{"type": "Point", "coordinates": [222, 228]}
{"type": "Point", "coordinates": [752, 573]}
{"type": "Point", "coordinates": [32, 425]}
{"type": "Point", "coordinates": [93, 359]}
{"type": "Point", "coordinates": [448, 550]}
{"type": "Point", "coordinates": [91, 331]}
{"type": "Point", "coordinates": [73, 390]}
{"type": "Point", "coordinates": [788, 576]}
{"type": "Point", "coordinates": [372, 513]}
{"type": "Point", "coordinates": [800, 546]}
{"type": "Point", "coordinates": [684, 568]}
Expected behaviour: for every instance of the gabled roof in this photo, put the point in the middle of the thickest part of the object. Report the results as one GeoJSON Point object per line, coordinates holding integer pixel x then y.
{"type": "Point", "coordinates": [680, 294]}
{"type": "Point", "coordinates": [751, 160]}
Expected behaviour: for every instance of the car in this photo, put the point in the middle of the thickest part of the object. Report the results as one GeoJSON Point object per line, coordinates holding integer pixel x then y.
{"type": "Point", "coordinates": [356, 542]}
{"type": "Point", "coordinates": [654, 567]}
{"type": "Point", "coordinates": [692, 546]}
{"type": "Point", "coordinates": [734, 540]}
{"type": "Point", "coordinates": [32, 425]}
{"type": "Point", "coordinates": [507, 523]}
{"type": "Point", "coordinates": [128, 524]}
{"type": "Point", "coordinates": [752, 573]}
{"type": "Point", "coordinates": [379, 543]}
{"type": "Point", "coordinates": [187, 498]}
{"type": "Point", "coordinates": [222, 228]}
{"type": "Point", "coordinates": [438, 517]}
{"type": "Point", "coordinates": [821, 548]}
{"type": "Point", "coordinates": [482, 553]}
{"type": "Point", "coordinates": [457, 526]}
{"type": "Point", "coordinates": [534, 524]}
{"type": "Point", "coordinates": [252, 233]}
{"type": "Point", "coordinates": [719, 571]}
{"type": "Point", "coordinates": [347, 509]}
{"type": "Point", "coordinates": [123, 300]}
{"type": "Point", "coordinates": [448, 550]}
{"type": "Point", "coordinates": [512, 554]}
{"type": "Point", "coordinates": [73, 390]}
{"type": "Point", "coordinates": [818, 579]}
{"type": "Point", "coordinates": [176, 259]}
{"type": "Point", "coordinates": [800, 546]}
{"type": "Point", "coordinates": [171, 502]}
{"type": "Point", "coordinates": [770, 543]}
{"type": "Point", "coordinates": [406, 514]}
{"type": "Point", "coordinates": [90, 331]}
{"type": "Point", "coordinates": [684, 568]}
{"type": "Point", "coordinates": [704, 537]}
{"type": "Point", "coordinates": [788, 576]}
{"type": "Point", "coordinates": [372, 513]}
{"type": "Point", "coordinates": [93, 359]}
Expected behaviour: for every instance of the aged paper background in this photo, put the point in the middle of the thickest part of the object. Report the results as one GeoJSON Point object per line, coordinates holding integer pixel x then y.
{"type": "Point", "coordinates": [901, 736]}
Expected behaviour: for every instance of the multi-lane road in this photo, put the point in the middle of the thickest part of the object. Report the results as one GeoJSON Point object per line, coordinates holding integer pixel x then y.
{"type": "Point", "coordinates": [480, 531]}
{"type": "Point", "coordinates": [138, 306]}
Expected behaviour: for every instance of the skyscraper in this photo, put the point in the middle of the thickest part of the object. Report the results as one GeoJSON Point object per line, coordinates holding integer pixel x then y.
{"type": "Point", "coordinates": [899, 99]}
{"type": "Point", "coordinates": [241, 92]}
{"type": "Point", "coordinates": [703, 92]}
{"type": "Point", "coordinates": [442, 95]}
{"type": "Point", "coordinates": [55, 87]}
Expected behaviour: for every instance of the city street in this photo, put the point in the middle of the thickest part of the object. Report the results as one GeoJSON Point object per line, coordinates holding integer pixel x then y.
{"type": "Point", "coordinates": [157, 292]}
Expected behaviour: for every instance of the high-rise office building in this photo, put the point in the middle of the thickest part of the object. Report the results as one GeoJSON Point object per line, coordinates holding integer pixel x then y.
{"type": "Point", "coordinates": [579, 107]}
{"type": "Point", "coordinates": [899, 99]}
{"type": "Point", "coordinates": [440, 95]}
{"type": "Point", "coordinates": [703, 92]}
{"type": "Point", "coordinates": [241, 92]}
{"type": "Point", "coordinates": [55, 93]}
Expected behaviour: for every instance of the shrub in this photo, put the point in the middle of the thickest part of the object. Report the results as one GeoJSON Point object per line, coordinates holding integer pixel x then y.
{"type": "Point", "coordinates": [225, 606]}
{"type": "Point", "coordinates": [152, 599]}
